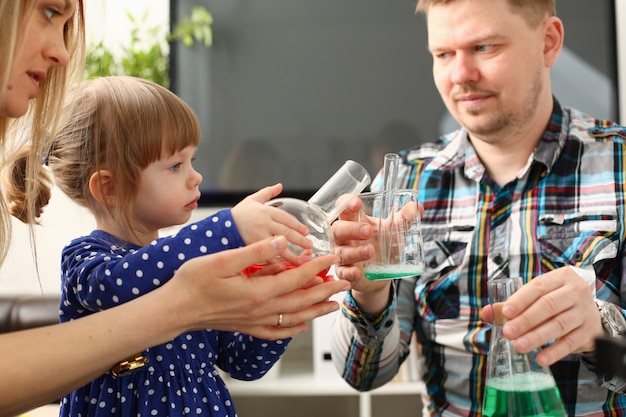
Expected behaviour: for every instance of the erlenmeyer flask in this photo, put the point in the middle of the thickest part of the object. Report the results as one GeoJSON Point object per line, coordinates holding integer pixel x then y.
{"type": "Point", "coordinates": [323, 208]}
{"type": "Point", "coordinates": [516, 385]}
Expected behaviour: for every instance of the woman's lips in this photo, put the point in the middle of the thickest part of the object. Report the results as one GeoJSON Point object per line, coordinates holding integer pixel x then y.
{"type": "Point", "coordinates": [37, 77]}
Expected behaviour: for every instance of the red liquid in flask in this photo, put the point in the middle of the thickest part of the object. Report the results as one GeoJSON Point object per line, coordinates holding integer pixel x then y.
{"type": "Point", "coordinates": [258, 267]}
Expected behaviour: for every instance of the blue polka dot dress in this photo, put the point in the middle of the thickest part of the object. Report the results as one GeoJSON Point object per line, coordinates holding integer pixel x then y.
{"type": "Point", "coordinates": [181, 378]}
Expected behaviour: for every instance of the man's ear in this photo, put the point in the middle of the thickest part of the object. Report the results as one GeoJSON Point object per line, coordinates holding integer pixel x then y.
{"type": "Point", "coordinates": [554, 36]}
{"type": "Point", "coordinates": [102, 188]}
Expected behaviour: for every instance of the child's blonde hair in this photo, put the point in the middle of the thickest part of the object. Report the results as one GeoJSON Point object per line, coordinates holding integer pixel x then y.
{"type": "Point", "coordinates": [121, 124]}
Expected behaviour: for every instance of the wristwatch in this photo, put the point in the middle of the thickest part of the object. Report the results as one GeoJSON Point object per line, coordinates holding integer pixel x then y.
{"type": "Point", "coordinates": [612, 319]}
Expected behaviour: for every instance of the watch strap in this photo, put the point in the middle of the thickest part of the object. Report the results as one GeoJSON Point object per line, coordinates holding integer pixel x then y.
{"type": "Point", "coordinates": [613, 321]}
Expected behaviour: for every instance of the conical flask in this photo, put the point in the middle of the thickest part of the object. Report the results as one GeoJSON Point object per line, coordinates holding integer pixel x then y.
{"type": "Point", "coordinates": [323, 208]}
{"type": "Point", "coordinates": [516, 385]}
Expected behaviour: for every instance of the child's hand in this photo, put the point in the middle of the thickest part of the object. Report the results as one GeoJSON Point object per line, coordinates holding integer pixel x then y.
{"type": "Point", "coordinates": [256, 221]}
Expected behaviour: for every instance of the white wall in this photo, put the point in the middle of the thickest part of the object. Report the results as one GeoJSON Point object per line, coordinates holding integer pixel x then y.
{"type": "Point", "coordinates": [61, 221]}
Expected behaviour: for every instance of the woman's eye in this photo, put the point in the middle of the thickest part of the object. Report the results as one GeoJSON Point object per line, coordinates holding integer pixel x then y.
{"type": "Point", "coordinates": [51, 13]}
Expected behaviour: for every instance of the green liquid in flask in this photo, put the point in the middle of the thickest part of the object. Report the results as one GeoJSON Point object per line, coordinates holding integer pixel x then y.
{"type": "Point", "coordinates": [527, 395]}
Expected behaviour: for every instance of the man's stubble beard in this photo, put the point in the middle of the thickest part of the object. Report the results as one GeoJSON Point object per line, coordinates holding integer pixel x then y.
{"type": "Point", "coordinates": [505, 120]}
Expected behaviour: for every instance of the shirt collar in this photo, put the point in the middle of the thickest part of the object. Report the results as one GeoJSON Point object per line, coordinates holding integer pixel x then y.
{"type": "Point", "coordinates": [460, 151]}
{"type": "Point", "coordinates": [554, 137]}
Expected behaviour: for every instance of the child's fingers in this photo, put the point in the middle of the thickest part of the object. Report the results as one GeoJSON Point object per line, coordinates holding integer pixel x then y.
{"type": "Point", "coordinates": [265, 194]}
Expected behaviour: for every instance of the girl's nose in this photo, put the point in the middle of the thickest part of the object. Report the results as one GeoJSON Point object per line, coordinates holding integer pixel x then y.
{"type": "Point", "coordinates": [196, 178]}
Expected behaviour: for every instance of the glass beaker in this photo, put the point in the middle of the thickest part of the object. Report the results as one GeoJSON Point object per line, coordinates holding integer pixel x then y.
{"type": "Point", "coordinates": [322, 209]}
{"type": "Point", "coordinates": [397, 237]}
{"type": "Point", "coordinates": [516, 385]}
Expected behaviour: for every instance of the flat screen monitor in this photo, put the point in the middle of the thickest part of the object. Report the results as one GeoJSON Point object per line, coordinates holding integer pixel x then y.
{"type": "Point", "coordinates": [290, 89]}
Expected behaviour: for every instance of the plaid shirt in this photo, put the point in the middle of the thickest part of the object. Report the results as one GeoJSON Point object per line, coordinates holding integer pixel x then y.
{"type": "Point", "coordinates": [565, 208]}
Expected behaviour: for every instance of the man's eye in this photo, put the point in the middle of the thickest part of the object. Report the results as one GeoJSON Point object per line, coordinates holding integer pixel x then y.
{"type": "Point", "coordinates": [484, 48]}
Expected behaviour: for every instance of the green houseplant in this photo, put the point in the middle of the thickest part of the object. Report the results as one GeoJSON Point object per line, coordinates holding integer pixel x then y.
{"type": "Point", "coordinates": [147, 54]}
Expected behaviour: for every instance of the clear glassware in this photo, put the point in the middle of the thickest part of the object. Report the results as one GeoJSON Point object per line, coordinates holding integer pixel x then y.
{"type": "Point", "coordinates": [323, 207]}
{"type": "Point", "coordinates": [516, 385]}
{"type": "Point", "coordinates": [397, 238]}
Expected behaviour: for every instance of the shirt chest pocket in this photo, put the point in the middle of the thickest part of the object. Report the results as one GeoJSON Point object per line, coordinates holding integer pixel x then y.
{"type": "Point", "coordinates": [577, 239]}
{"type": "Point", "coordinates": [437, 291]}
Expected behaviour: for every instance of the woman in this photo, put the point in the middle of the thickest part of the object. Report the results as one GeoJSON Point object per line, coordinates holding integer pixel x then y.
{"type": "Point", "coordinates": [41, 48]}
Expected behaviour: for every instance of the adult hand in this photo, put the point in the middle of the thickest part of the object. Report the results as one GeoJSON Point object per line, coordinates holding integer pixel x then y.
{"type": "Point", "coordinates": [348, 232]}
{"type": "Point", "coordinates": [557, 306]}
{"type": "Point", "coordinates": [211, 292]}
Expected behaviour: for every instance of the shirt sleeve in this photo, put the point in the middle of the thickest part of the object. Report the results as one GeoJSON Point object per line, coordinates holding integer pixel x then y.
{"type": "Point", "coordinates": [368, 350]}
{"type": "Point", "coordinates": [248, 358]}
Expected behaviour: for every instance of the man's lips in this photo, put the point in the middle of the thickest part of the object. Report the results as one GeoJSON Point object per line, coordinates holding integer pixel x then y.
{"type": "Point", "coordinates": [471, 94]}
{"type": "Point", "coordinates": [469, 98]}
{"type": "Point", "coordinates": [471, 101]}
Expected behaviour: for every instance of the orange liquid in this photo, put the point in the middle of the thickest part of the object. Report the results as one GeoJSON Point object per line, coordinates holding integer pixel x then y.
{"type": "Point", "coordinates": [258, 267]}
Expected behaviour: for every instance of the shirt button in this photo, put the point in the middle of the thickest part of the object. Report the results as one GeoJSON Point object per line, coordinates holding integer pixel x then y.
{"type": "Point", "coordinates": [497, 259]}
{"type": "Point", "coordinates": [388, 323]}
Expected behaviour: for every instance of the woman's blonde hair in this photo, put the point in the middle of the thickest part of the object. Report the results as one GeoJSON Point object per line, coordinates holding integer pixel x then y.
{"type": "Point", "coordinates": [23, 141]}
{"type": "Point", "coordinates": [121, 124]}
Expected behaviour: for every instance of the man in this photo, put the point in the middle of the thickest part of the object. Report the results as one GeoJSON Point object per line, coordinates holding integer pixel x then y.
{"type": "Point", "coordinates": [526, 188]}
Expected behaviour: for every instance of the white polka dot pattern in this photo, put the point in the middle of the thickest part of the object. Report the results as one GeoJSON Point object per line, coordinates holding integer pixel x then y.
{"type": "Point", "coordinates": [181, 378]}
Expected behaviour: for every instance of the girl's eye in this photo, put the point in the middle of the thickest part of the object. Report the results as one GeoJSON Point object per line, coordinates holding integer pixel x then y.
{"type": "Point", "coordinates": [176, 167]}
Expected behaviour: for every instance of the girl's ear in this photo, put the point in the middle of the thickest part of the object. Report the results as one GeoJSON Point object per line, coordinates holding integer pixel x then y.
{"type": "Point", "coordinates": [102, 188]}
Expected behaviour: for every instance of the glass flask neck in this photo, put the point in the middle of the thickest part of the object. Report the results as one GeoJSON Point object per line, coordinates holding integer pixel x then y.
{"type": "Point", "coordinates": [319, 211]}
{"type": "Point", "coordinates": [334, 196]}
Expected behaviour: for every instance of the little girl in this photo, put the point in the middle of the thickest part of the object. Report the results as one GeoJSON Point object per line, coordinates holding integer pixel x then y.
{"type": "Point", "coordinates": [124, 150]}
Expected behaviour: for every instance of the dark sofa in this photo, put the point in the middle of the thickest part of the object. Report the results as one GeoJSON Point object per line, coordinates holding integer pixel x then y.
{"type": "Point", "coordinates": [20, 312]}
